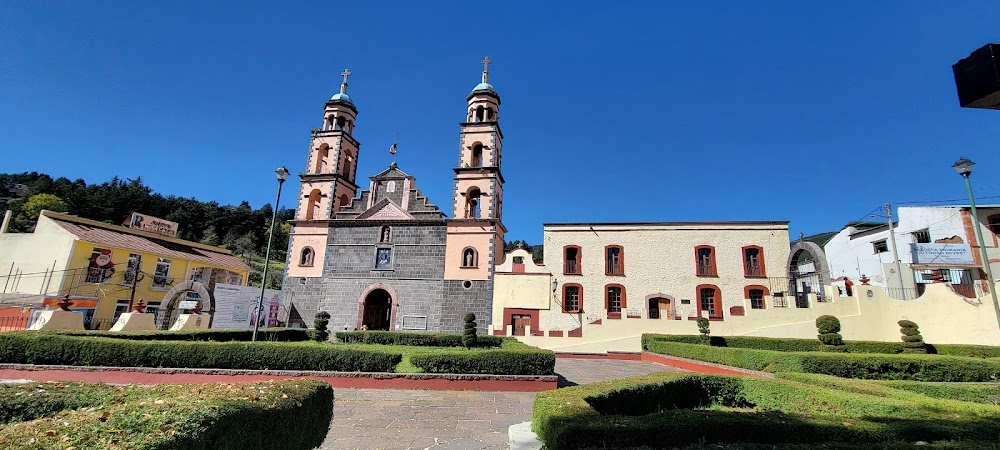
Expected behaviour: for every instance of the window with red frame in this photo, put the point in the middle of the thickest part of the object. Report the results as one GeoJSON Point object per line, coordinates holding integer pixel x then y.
{"type": "Point", "coordinates": [710, 301]}
{"type": "Point", "coordinates": [756, 298]}
{"type": "Point", "coordinates": [571, 298]}
{"type": "Point", "coordinates": [753, 261]}
{"type": "Point", "coordinates": [571, 262]}
{"type": "Point", "coordinates": [705, 256]}
{"type": "Point", "coordinates": [615, 300]}
{"type": "Point", "coordinates": [615, 261]}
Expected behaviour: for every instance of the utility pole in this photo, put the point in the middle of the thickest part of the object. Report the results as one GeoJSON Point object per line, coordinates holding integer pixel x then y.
{"type": "Point", "coordinates": [892, 239]}
{"type": "Point", "coordinates": [135, 281]}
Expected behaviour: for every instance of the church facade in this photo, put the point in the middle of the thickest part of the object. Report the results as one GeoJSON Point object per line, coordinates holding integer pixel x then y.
{"type": "Point", "coordinates": [386, 258]}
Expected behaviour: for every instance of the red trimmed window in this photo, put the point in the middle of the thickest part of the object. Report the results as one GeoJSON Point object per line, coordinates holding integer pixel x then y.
{"type": "Point", "coordinates": [756, 296]}
{"type": "Point", "coordinates": [710, 300]}
{"type": "Point", "coordinates": [753, 261]}
{"type": "Point", "coordinates": [704, 256]}
{"type": "Point", "coordinates": [572, 298]}
{"type": "Point", "coordinates": [614, 260]}
{"type": "Point", "coordinates": [614, 300]}
{"type": "Point", "coordinates": [571, 260]}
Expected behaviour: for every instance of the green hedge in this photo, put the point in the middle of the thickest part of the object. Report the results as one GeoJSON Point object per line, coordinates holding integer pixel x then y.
{"type": "Point", "coordinates": [846, 365]}
{"type": "Point", "coordinates": [44, 348]}
{"type": "Point", "coordinates": [290, 414]}
{"type": "Point", "coordinates": [515, 358]}
{"type": "Point", "coordinates": [778, 344]}
{"type": "Point", "coordinates": [813, 345]}
{"type": "Point", "coordinates": [661, 411]}
{"type": "Point", "coordinates": [220, 335]}
{"type": "Point", "coordinates": [417, 339]}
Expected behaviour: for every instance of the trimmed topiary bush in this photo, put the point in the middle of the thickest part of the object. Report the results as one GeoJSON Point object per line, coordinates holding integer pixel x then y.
{"type": "Point", "coordinates": [829, 330]}
{"type": "Point", "coordinates": [322, 334]}
{"type": "Point", "coordinates": [913, 342]}
{"type": "Point", "coordinates": [705, 336]}
{"type": "Point", "coordinates": [469, 335]}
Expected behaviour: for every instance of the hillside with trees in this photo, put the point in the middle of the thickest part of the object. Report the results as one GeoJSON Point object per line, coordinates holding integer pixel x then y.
{"type": "Point", "coordinates": [240, 228]}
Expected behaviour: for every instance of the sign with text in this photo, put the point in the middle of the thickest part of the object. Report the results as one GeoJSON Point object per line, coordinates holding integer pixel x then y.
{"type": "Point", "coordinates": [942, 254]}
{"type": "Point", "coordinates": [235, 306]}
{"type": "Point", "coordinates": [152, 224]}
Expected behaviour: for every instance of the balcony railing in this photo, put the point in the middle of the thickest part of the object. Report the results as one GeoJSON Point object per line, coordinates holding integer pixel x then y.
{"type": "Point", "coordinates": [706, 269]}
{"type": "Point", "coordinates": [754, 270]}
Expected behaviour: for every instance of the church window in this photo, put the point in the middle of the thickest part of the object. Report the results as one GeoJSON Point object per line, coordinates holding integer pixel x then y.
{"type": "Point", "coordinates": [312, 207]}
{"type": "Point", "coordinates": [614, 300]}
{"type": "Point", "coordinates": [753, 261]}
{"type": "Point", "coordinates": [469, 257]}
{"type": "Point", "coordinates": [344, 200]}
{"type": "Point", "coordinates": [709, 300]}
{"type": "Point", "coordinates": [572, 298]}
{"type": "Point", "coordinates": [383, 258]}
{"type": "Point", "coordinates": [385, 234]}
{"type": "Point", "coordinates": [489, 114]}
{"type": "Point", "coordinates": [306, 259]}
{"type": "Point", "coordinates": [341, 123]}
{"type": "Point", "coordinates": [571, 260]}
{"type": "Point", "coordinates": [479, 114]}
{"type": "Point", "coordinates": [756, 296]}
{"type": "Point", "coordinates": [477, 155]}
{"type": "Point", "coordinates": [614, 260]}
{"type": "Point", "coordinates": [705, 261]}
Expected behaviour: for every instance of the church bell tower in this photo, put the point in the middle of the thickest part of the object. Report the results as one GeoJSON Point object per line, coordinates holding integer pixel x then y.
{"type": "Point", "coordinates": [327, 184]}
{"type": "Point", "coordinates": [475, 231]}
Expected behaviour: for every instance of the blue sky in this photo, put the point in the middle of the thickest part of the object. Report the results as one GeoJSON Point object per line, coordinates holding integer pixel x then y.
{"type": "Point", "coordinates": [612, 111]}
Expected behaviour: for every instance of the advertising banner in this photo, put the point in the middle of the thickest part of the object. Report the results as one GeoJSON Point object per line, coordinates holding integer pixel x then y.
{"type": "Point", "coordinates": [235, 305]}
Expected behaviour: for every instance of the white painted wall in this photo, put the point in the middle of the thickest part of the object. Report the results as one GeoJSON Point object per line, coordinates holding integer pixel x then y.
{"type": "Point", "coordinates": [854, 257]}
{"type": "Point", "coordinates": [34, 254]}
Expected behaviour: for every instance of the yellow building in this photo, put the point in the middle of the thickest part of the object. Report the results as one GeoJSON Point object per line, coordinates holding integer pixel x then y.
{"type": "Point", "coordinates": [101, 263]}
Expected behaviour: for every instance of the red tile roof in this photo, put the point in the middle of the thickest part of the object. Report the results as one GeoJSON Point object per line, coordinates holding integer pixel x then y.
{"type": "Point", "coordinates": [104, 234]}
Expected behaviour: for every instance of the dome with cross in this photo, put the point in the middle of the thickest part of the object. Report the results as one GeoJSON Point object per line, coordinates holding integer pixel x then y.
{"type": "Point", "coordinates": [484, 87]}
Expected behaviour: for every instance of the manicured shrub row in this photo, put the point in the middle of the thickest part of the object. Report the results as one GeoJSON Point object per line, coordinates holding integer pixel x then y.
{"type": "Point", "coordinates": [504, 361]}
{"type": "Point", "coordinates": [220, 335]}
{"type": "Point", "coordinates": [812, 345]}
{"type": "Point", "coordinates": [291, 414]}
{"type": "Point", "coordinates": [661, 411]}
{"type": "Point", "coordinates": [43, 348]}
{"type": "Point", "coordinates": [418, 339]}
{"type": "Point", "coordinates": [846, 365]}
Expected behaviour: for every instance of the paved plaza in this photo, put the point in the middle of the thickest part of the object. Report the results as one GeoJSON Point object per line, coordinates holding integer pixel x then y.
{"type": "Point", "coordinates": [389, 419]}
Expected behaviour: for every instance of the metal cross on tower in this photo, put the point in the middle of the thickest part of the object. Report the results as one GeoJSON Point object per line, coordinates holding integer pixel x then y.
{"type": "Point", "coordinates": [343, 86]}
{"type": "Point", "coordinates": [486, 68]}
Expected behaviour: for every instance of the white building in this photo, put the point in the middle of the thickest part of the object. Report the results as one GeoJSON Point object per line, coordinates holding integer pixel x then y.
{"type": "Point", "coordinates": [930, 240]}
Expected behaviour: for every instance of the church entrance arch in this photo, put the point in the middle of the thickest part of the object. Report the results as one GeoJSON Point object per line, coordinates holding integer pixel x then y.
{"type": "Point", "coordinates": [377, 308]}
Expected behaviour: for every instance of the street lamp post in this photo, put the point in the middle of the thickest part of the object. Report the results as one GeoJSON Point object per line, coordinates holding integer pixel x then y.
{"type": "Point", "coordinates": [964, 168]}
{"type": "Point", "coordinates": [282, 174]}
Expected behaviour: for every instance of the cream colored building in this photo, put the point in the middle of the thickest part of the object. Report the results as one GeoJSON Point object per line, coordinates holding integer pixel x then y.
{"type": "Point", "coordinates": [600, 274]}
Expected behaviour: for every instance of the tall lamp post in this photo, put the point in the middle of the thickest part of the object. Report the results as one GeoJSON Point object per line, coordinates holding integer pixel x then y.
{"type": "Point", "coordinates": [282, 174]}
{"type": "Point", "coordinates": [964, 168]}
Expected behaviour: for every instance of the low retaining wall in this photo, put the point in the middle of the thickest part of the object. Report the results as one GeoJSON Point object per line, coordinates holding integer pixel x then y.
{"type": "Point", "coordinates": [361, 380]}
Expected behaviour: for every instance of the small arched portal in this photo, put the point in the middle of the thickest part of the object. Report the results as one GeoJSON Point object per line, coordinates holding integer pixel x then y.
{"type": "Point", "coordinates": [377, 313]}
{"type": "Point", "coordinates": [190, 291]}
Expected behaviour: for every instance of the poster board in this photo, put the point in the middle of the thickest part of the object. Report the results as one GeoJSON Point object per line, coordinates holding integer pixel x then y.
{"type": "Point", "coordinates": [235, 305]}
